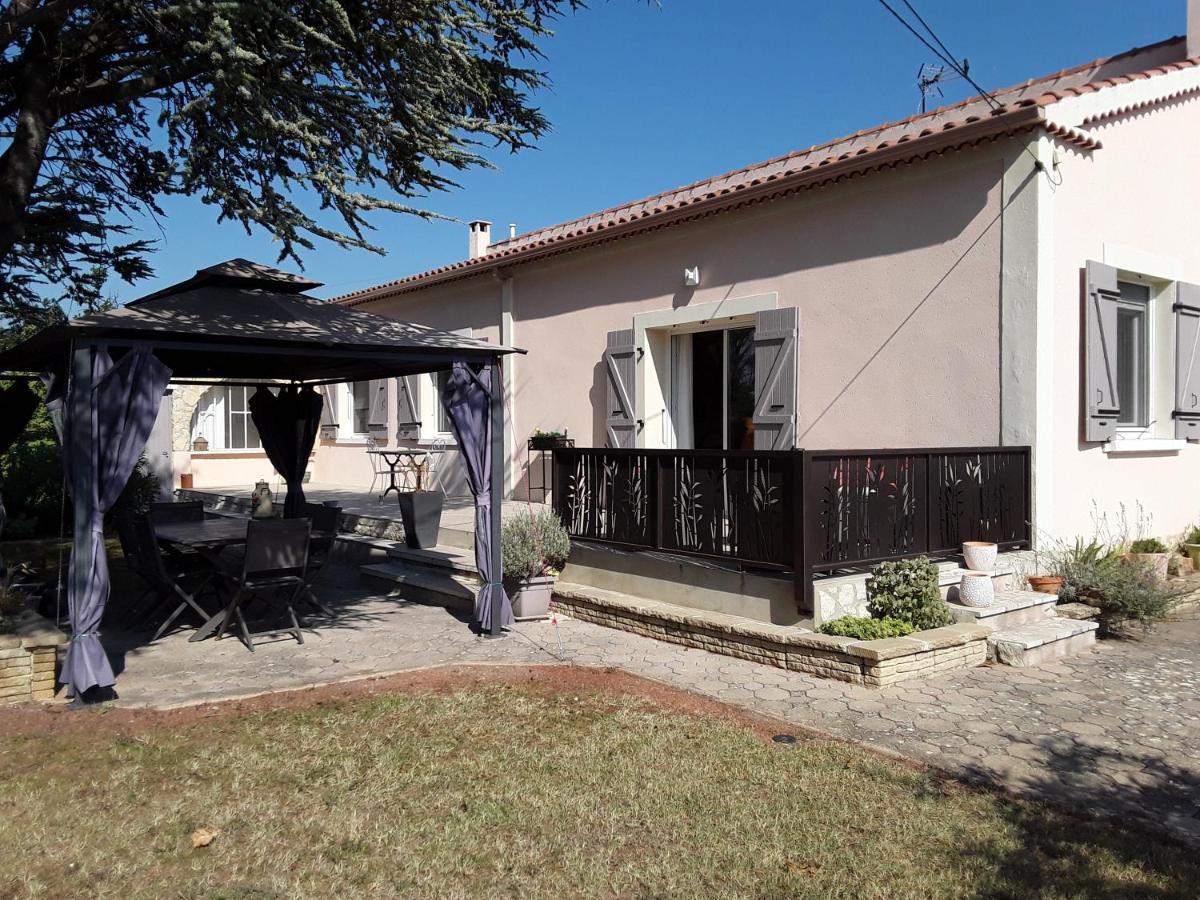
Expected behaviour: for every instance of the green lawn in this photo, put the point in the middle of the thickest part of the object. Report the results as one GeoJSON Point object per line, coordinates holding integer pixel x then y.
{"type": "Point", "coordinates": [521, 791]}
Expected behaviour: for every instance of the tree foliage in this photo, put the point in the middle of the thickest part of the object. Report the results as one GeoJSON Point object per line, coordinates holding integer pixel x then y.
{"type": "Point", "coordinates": [106, 107]}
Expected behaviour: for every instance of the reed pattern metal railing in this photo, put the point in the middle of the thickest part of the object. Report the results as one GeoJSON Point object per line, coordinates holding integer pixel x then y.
{"type": "Point", "coordinates": [808, 511]}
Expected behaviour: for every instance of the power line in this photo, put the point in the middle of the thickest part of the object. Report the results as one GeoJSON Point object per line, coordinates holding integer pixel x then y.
{"type": "Point", "coordinates": [942, 52]}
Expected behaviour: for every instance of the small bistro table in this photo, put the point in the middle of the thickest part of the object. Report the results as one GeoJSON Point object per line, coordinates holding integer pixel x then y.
{"type": "Point", "coordinates": [401, 459]}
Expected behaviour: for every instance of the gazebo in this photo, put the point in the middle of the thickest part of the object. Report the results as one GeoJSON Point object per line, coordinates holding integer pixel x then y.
{"type": "Point", "coordinates": [241, 323]}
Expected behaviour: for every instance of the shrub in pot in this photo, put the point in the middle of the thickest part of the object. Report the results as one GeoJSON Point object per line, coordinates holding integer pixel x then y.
{"type": "Point", "coordinates": [1191, 546]}
{"type": "Point", "coordinates": [535, 547]}
{"type": "Point", "coordinates": [1152, 553]}
{"type": "Point", "coordinates": [907, 590]}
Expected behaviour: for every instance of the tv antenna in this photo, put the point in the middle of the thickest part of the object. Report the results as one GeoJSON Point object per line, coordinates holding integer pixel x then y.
{"type": "Point", "coordinates": [930, 79]}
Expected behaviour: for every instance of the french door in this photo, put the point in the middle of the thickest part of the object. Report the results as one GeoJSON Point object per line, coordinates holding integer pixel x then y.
{"type": "Point", "coordinates": [712, 389]}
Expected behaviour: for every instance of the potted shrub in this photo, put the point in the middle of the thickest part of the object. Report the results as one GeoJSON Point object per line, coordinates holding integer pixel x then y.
{"type": "Point", "coordinates": [421, 512]}
{"type": "Point", "coordinates": [535, 547]}
{"type": "Point", "coordinates": [1191, 546]}
{"type": "Point", "coordinates": [547, 440]}
{"type": "Point", "coordinates": [1152, 553]}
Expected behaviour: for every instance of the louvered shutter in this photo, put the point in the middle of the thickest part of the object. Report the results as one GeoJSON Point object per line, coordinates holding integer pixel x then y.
{"type": "Point", "coordinates": [408, 408]}
{"type": "Point", "coordinates": [1187, 362]}
{"type": "Point", "coordinates": [776, 334]}
{"type": "Point", "coordinates": [620, 362]}
{"type": "Point", "coordinates": [1100, 353]}
{"type": "Point", "coordinates": [377, 409]}
{"type": "Point", "coordinates": [329, 410]}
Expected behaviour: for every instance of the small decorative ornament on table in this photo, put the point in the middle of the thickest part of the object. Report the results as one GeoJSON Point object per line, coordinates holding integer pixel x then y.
{"type": "Point", "coordinates": [261, 506]}
{"type": "Point", "coordinates": [976, 590]}
{"type": "Point", "coordinates": [980, 556]}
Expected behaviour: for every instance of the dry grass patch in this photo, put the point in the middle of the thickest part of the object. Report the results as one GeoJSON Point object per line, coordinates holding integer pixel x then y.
{"type": "Point", "coordinates": [516, 790]}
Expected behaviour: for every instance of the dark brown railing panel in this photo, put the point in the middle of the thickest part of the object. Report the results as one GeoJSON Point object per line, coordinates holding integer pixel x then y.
{"type": "Point", "coordinates": [735, 505]}
{"type": "Point", "coordinates": [808, 511]}
{"type": "Point", "coordinates": [865, 506]}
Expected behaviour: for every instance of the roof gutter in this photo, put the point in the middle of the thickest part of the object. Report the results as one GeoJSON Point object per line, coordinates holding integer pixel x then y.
{"type": "Point", "coordinates": [867, 159]}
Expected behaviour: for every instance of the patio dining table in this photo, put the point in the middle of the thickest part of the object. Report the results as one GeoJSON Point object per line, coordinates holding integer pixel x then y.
{"type": "Point", "coordinates": [398, 460]}
{"type": "Point", "coordinates": [208, 537]}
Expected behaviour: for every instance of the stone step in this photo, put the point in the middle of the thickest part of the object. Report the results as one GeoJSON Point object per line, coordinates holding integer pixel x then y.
{"type": "Point", "coordinates": [446, 560]}
{"type": "Point", "coordinates": [456, 537]}
{"type": "Point", "coordinates": [1035, 643]}
{"type": "Point", "coordinates": [1011, 608]}
{"type": "Point", "coordinates": [419, 586]}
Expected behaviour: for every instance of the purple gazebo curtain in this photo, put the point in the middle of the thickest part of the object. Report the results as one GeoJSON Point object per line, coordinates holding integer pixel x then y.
{"type": "Point", "coordinates": [122, 404]}
{"type": "Point", "coordinates": [467, 399]}
{"type": "Point", "coordinates": [287, 423]}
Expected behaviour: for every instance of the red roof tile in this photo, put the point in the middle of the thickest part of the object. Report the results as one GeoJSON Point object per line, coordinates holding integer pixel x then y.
{"type": "Point", "coordinates": [1018, 108]}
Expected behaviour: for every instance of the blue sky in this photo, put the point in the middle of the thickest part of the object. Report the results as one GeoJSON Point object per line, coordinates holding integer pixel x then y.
{"type": "Point", "coordinates": [647, 98]}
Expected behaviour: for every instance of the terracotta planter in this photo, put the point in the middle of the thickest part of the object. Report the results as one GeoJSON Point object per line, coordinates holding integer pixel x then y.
{"type": "Point", "coordinates": [185, 481]}
{"type": "Point", "coordinates": [980, 556]}
{"type": "Point", "coordinates": [531, 597]}
{"type": "Point", "coordinates": [1156, 562]}
{"type": "Point", "coordinates": [421, 512]}
{"type": "Point", "coordinates": [1045, 584]}
{"type": "Point", "coordinates": [976, 590]}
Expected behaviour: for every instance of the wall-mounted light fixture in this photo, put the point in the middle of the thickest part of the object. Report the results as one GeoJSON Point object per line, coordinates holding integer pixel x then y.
{"type": "Point", "coordinates": [691, 276]}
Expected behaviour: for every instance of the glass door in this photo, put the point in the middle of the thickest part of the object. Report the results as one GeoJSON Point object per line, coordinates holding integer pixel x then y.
{"type": "Point", "coordinates": [712, 389]}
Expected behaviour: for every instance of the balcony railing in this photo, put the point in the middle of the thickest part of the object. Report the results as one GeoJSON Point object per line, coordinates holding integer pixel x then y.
{"type": "Point", "coordinates": [810, 512]}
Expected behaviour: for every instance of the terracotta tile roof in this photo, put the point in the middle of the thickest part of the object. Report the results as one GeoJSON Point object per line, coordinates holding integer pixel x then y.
{"type": "Point", "coordinates": [1017, 108]}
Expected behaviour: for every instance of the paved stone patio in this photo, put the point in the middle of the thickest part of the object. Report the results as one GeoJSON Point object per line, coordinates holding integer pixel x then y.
{"type": "Point", "coordinates": [1114, 731]}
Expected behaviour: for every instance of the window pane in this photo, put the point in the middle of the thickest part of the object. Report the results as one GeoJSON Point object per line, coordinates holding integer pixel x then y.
{"type": "Point", "coordinates": [708, 390]}
{"type": "Point", "coordinates": [253, 441]}
{"type": "Point", "coordinates": [740, 390]}
{"type": "Point", "coordinates": [362, 405]}
{"type": "Point", "coordinates": [237, 431]}
{"type": "Point", "coordinates": [1132, 373]}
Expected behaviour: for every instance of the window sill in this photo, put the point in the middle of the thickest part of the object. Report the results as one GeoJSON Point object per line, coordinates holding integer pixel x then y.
{"type": "Point", "coordinates": [1145, 445]}
{"type": "Point", "coordinates": [229, 454]}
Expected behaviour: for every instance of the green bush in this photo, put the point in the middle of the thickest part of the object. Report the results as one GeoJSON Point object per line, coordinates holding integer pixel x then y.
{"type": "Point", "coordinates": [31, 479]}
{"type": "Point", "coordinates": [867, 629]}
{"type": "Point", "coordinates": [12, 603]}
{"type": "Point", "coordinates": [1124, 590]}
{"type": "Point", "coordinates": [1193, 535]}
{"type": "Point", "coordinates": [140, 491]}
{"type": "Point", "coordinates": [907, 590]}
{"type": "Point", "coordinates": [1147, 545]}
{"type": "Point", "coordinates": [533, 544]}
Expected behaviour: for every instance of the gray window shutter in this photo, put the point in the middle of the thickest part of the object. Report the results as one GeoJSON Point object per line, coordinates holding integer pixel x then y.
{"type": "Point", "coordinates": [329, 412]}
{"type": "Point", "coordinates": [377, 411]}
{"type": "Point", "coordinates": [408, 408]}
{"type": "Point", "coordinates": [620, 362]}
{"type": "Point", "coordinates": [1100, 353]}
{"type": "Point", "coordinates": [1187, 362]}
{"type": "Point", "coordinates": [776, 334]}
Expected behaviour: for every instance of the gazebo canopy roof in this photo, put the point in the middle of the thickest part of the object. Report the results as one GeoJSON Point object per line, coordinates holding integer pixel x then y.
{"type": "Point", "coordinates": [240, 319]}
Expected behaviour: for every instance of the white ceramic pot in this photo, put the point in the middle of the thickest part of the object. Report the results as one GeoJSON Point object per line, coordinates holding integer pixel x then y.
{"type": "Point", "coordinates": [976, 590]}
{"type": "Point", "coordinates": [980, 556]}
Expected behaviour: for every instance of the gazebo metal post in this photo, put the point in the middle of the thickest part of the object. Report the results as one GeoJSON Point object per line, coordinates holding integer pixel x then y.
{"type": "Point", "coordinates": [78, 425]}
{"type": "Point", "coordinates": [497, 491]}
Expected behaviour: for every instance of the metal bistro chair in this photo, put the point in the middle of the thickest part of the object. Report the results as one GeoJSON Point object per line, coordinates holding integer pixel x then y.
{"type": "Point", "coordinates": [274, 569]}
{"type": "Point", "coordinates": [324, 521]}
{"type": "Point", "coordinates": [183, 583]}
{"type": "Point", "coordinates": [433, 460]}
{"type": "Point", "coordinates": [380, 470]}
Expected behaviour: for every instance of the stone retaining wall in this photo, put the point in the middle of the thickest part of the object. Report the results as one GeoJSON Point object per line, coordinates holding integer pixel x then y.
{"type": "Point", "coordinates": [873, 663]}
{"type": "Point", "coordinates": [29, 660]}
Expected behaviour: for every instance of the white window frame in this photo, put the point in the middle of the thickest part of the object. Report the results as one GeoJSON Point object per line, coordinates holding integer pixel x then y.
{"type": "Point", "coordinates": [1160, 360]}
{"type": "Point", "coordinates": [212, 413]}
{"type": "Point", "coordinates": [432, 411]}
{"type": "Point", "coordinates": [346, 431]}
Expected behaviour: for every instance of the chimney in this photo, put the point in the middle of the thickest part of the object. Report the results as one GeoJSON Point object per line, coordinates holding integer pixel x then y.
{"type": "Point", "coordinates": [480, 238]}
{"type": "Point", "coordinates": [1193, 28]}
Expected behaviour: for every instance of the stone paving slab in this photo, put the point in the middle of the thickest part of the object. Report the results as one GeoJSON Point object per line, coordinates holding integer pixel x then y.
{"type": "Point", "coordinates": [1114, 731]}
